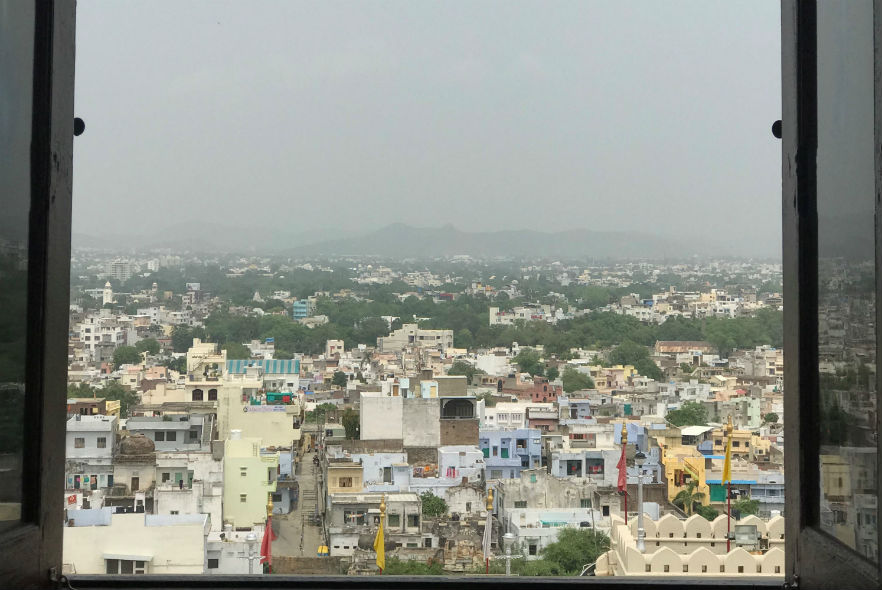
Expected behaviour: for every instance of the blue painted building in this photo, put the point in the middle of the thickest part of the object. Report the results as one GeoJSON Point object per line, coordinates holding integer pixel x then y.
{"type": "Point", "coordinates": [302, 308]}
{"type": "Point", "coordinates": [507, 452]}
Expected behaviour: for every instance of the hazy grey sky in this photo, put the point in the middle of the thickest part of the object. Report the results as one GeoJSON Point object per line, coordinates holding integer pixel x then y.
{"type": "Point", "coordinates": [651, 116]}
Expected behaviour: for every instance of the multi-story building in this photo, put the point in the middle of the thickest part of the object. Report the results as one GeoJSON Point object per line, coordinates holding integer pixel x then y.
{"type": "Point", "coordinates": [507, 452]}
{"type": "Point", "coordinates": [411, 335]}
{"type": "Point", "coordinates": [249, 479]}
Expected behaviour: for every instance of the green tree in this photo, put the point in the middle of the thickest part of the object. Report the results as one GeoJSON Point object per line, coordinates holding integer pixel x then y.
{"type": "Point", "coordinates": [178, 364]}
{"type": "Point", "coordinates": [182, 337]}
{"type": "Point", "coordinates": [689, 414]}
{"type": "Point", "coordinates": [125, 355]}
{"type": "Point", "coordinates": [707, 512]}
{"type": "Point", "coordinates": [320, 413]}
{"type": "Point", "coordinates": [148, 345]}
{"type": "Point", "coordinates": [552, 373]}
{"type": "Point", "coordinates": [489, 400]}
{"type": "Point", "coordinates": [631, 353]}
{"type": "Point", "coordinates": [771, 418]}
{"type": "Point", "coordinates": [236, 350]}
{"type": "Point", "coordinates": [746, 506]}
{"type": "Point", "coordinates": [574, 548]}
{"type": "Point", "coordinates": [339, 379]}
{"type": "Point", "coordinates": [464, 368]}
{"type": "Point", "coordinates": [464, 339]}
{"type": "Point", "coordinates": [574, 380]}
{"type": "Point", "coordinates": [529, 361]}
{"type": "Point", "coordinates": [351, 423]}
{"type": "Point", "coordinates": [111, 391]}
{"type": "Point", "coordinates": [688, 498]}
{"type": "Point", "coordinates": [433, 505]}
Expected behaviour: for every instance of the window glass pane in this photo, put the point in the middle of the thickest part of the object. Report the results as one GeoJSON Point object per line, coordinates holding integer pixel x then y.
{"type": "Point", "coordinates": [846, 275]}
{"type": "Point", "coordinates": [16, 73]}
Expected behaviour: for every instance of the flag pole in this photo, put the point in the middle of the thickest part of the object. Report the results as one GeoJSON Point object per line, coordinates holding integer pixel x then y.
{"type": "Point", "coordinates": [727, 472]}
{"type": "Point", "coordinates": [269, 523]}
{"type": "Point", "coordinates": [624, 446]}
{"type": "Point", "coordinates": [488, 526]}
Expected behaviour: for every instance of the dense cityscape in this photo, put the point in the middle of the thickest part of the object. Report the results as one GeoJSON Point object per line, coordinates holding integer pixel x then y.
{"type": "Point", "coordinates": [455, 415]}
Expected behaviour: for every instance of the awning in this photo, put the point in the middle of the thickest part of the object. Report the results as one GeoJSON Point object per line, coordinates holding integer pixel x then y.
{"type": "Point", "coordinates": [130, 557]}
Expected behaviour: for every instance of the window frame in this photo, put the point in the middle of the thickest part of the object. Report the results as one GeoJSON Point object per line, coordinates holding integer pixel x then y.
{"type": "Point", "coordinates": [813, 558]}
{"type": "Point", "coordinates": [33, 550]}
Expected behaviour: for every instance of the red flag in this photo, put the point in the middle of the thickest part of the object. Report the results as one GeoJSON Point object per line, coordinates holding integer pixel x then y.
{"type": "Point", "coordinates": [266, 546]}
{"type": "Point", "coordinates": [623, 473]}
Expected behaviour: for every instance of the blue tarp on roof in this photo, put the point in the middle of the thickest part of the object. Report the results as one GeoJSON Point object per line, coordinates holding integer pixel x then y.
{"type": "Point", "coordinates": [270, 367]}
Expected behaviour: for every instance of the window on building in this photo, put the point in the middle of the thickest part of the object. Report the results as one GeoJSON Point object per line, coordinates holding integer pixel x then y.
{"type": "Point", "coordinates": [243, 497]}
{"type": "Point", "coordinates": [125, 566]}
{"type": "Point", "coordinates": [212, 395]}
{"type": "Point", "coordinates": [533, 549]}
{"type": "Point", "coordinates": [159, 436]}
{"type": "Point", "coordinates": [585, 503]}
{"type": "Point", "coordinates": [394, 520]}
{"type": "Point", "coordinates": [102, 442]}
{"type": "Point", "coordinates": [194, 435]}
{"type": "Point", "coordinates": [79, 443]}
{"type": "Point", "coordinates": [243, 472]}
{"type": "Point", "coordinates": [213, 563]}
{"type": "Point", "coordinates": [413, 520]}
{"type": "Point", "coordinates": [520, 504]}
{"type": "Point", "coordinates": [197, 395]}
{"type": "Point", "coordinates": [171, 435]}
{"type": "Point", "coordinates": [344, 482]}
{"type": "Point", "coordinates": [166, 476]}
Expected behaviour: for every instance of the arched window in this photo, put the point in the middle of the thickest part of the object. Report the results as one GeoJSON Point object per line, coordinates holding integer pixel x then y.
{"type": "Point", "coordinates": [212, 395]}
{"type": "Point", "coordinates": [197, 395]}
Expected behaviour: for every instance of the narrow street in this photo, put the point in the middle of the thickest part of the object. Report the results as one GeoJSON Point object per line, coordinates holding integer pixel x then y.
{"type": "Point", "coordinates": [299, 535]}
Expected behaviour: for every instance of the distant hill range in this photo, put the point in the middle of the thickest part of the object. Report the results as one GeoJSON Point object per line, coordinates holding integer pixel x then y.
{"type": "Point", "coordinates": [404, 241]}
{"type": "Point", "coordinates": [400, 241]}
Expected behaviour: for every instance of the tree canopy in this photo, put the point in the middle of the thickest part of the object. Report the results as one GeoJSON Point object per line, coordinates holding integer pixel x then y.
{"type": "Point", "coordinates": [339, 379]}
{"type": "Point", "coordinates": [574, 380]}
{"type": "Point", "coordinates": [433, 505]}
{"type": "Point", "coordinates": [631, 353]}
{"type": "Point", "coordinates": [148, 345]}
{"type": "Point", "coordinates": [351, 423]}
{"type": "Point", "coordinates": [529, 361]}
{"type": "Point", "coordinates": [464, 368]}
{"type": "Point", "coordinates": [113, 390]}
{"type": "Point", "coordinates": [125, 355]}
{"type": "Point", "coordinates": [689, 414]}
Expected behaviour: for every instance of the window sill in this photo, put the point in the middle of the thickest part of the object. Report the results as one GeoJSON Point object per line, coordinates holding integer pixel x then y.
{"type": "Point", "coordinates": [82, 582]}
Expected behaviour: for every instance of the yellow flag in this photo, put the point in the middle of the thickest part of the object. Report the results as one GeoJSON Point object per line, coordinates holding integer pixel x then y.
{"type": "Point", "coordinates": [727, 462]}
{"type": "Point", "coordinates": [380, 548]}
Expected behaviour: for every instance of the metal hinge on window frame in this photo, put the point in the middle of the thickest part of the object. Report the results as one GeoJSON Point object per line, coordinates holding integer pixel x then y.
{"type": "Point", "coordinates": [60, 581]}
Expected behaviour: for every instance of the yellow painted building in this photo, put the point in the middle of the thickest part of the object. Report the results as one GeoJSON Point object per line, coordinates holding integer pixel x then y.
{"type": "Point", "coordinates": [249, 478]}
{"type": "Point", "coordinates": [741, 443]}
{"type": "Point", "coordinates": [682, 466]}
{"type": "Point", "coordinates": [345, 477]}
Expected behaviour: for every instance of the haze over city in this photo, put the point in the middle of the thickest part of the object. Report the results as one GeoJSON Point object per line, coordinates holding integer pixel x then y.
{"type": "Point", "coordinates": [309, 122]}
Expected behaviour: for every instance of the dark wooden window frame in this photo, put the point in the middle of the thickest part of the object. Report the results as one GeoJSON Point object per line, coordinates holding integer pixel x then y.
{"type": "Point", "coordinates": [33, 549]}
{"type": "Point", "coordinates": [33, 552]}
{"type": "Point", "coordinates": [814, 559]}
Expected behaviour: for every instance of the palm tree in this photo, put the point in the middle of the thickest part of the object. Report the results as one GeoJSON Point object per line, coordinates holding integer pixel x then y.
{"type": "Point", "coordinates": [685, 499]}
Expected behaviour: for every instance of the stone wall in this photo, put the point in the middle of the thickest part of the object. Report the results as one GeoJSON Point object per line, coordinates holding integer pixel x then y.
{"type": "Point", "coordinates": [459, 432]}
{"type": "Point", "coordinates": [333, 566]}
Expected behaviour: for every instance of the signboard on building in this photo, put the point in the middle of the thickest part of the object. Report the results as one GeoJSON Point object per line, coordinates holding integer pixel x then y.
{"type": "Point", "coordinates": [265, 408]}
